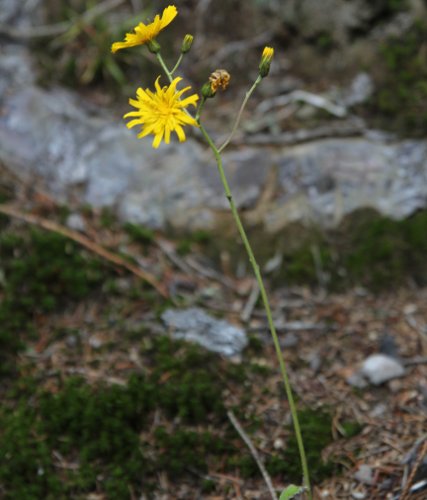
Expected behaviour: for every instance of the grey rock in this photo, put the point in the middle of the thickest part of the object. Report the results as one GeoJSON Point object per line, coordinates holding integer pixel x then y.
{"type": "Point", "coordinates": [195, 325]}
{"type": "Point", "coordinates": [78, 152]}
{"type": "Point", "coordinates": [359, 91]}
{"type": "Point", "coordinates": [21, 13]}
{"type": "Point", "coordinates": [76, 222]}
{"type": "Point", "coordinates": [364, 474]}
{"type": "Point", "coordinates": [388, 346]}
{"type": "Point", "coordinates": [323, 181]}
{"type": "Point", "coordinates": [357, 380]}
{"type": "Point", "coordinates": [379, 368]}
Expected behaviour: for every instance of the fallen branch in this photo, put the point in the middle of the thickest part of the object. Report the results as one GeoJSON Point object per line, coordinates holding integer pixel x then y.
{"type": "Point", "coordinates": [254, 453]}
{"type": "Point", "coordinates": [85, 242]}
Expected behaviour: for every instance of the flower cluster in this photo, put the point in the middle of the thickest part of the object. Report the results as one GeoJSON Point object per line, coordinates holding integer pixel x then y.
{"type": "Point", "coordinates": [164, 111]}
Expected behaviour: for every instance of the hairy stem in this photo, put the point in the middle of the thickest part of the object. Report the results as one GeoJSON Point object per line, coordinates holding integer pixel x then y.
{"type": "Point", "coordinates": [267, 307]}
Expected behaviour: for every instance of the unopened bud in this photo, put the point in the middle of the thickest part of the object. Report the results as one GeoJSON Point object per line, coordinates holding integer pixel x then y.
{"type": "Point", "coordinates": [207, 90]}
{"type": "Point", "coordinates": [187, 43]}
{"type": "Point", "coordinates": [264, 65]}
{"type": "Point", "coordinates": [154, 46]}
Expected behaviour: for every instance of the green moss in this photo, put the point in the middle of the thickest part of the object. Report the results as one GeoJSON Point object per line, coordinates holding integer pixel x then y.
{"type": "Point", "coordinates": [316, 431]}
{"type": "Point", "coordinates": [99, 428]}
{"type": "Point", "coordinates": [139, 234]}
{"type": "Point", "coordinates": [367, 249]}
{"type": "Point", "coordinates": [42, 271]}
{"type": "Point", "coordinates": [181, 451]}
{"type": "Point", "coordinates": [351, 428]}
{"type": "Point", "coordinates": [400, 103]}
{"type": "Point", "coordinates": [189, 391]}
{"type": "Point", "coordinates": [107, 218]}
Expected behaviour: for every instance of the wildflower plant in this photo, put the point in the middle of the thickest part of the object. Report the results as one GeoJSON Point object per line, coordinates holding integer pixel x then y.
{"type": "Point", "coordinates": [166, 110]}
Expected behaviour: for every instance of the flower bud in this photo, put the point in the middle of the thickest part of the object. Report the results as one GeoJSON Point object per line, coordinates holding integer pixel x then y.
{"type": "Point", "coordinates": [187, 43]}
{"type": "Point", "coordinates": [264, 65]}
{"type": "Point", "coordinates": [207, 90]}
{"type": "Point", "coordinates": [154, 46]}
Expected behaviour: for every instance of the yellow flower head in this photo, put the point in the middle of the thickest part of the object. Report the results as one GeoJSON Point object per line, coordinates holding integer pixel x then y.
{"type": "Point", "coordinates": [267, 54]}
{"type": "Point", "coordinates": [145, 33]}
{"type": "Point", "coordinates": [264, 65]}
{"type": "Point", "coordinates": [162, 112]}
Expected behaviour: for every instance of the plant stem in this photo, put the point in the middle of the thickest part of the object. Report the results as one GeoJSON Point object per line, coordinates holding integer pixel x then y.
{"type": "Point", "coordinates": [266, 303]}
{"type": "Point", "coordinates": [164, 67]}
{"type": "Point", "coordinates": [177, 64]}
{"type": "Point", "coordinates": [239, 115]}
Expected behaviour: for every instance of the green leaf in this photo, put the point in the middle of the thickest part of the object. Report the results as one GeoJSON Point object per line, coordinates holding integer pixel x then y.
{"type": "Point", "coordinates": [291, 491]}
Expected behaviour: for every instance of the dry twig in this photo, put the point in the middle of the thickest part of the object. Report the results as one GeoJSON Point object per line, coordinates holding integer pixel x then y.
{"type": "Point", "coordinates": [254, 453]}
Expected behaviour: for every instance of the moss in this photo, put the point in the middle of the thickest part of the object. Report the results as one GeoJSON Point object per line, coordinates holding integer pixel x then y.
{"type": "Point", "coordinates": [189, 242]}
{"type": "Point", "coordinates": [139, 234]}
{"type": "Point", "coordinates": [99, 428]}
{"type": "Point", "coordinates": [367, 249]}
{"type": "Point", "coordinates": [107, 218]}
{"type": "Point", "coordinates": [316, 431]}
{"type": "Point", "coordinates": [351, 428]}
{"type": "Point", "coordinates": [42, 271]}
{"type": "Point", "coordinates": [181, 451]}
{"type": "Point", "coordinates": [400, 103]}
{"type": "Point", "coordinates": [188, 390]}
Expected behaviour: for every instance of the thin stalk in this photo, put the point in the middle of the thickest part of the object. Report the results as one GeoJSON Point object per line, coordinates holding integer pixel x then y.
{"type": "Point", "coordinates": [199, 108]}
{"type": "Point", "coordinates": [266, 303]}
{"type": "Point", "coordinates": [164, 67]}
{"type": "Point", "coordinates": [177, 64]}
{"type": "Point", "coordinates": [239, 115]}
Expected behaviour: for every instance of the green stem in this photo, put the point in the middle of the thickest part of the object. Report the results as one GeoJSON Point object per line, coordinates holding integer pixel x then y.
{"type": "Point", "coordinates": [200, 108]}
{"type": "Point", "coordinates": [239, 115]}
{"type": "Point", "coordinates": [164, 67]}
{"type": "Point", "coordinates": [177, 63]}
{"type": "Point", "coordinates": [266, 303]}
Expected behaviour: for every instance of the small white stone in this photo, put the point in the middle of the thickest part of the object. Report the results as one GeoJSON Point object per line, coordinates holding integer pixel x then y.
{"type": "Point", "coordinates": [278, 444]}
{"type": "Point", "coordinates": [379, 368]}
{"type": "Point", "coordinates": [76, 222]}
{"type": "Point", "coordinates": [364, 474]}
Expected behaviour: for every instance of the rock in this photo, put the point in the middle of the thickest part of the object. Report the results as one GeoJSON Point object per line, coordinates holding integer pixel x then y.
{"type": "Point", "coordinates": [388, 346]}
{"type": "Point", "coordinates": [76, 222]}
{"type": "Point", "coordinates": [323, 181]}
{"type": "Point", "coordinates": [21, 14]}
{"type": "Point", "coordinates": [357, 380]}
{"type": "Point", "coordinates": [364, 474]}
{"type": "Point", "coordinates": [379, 368]}
{"type": "Point", "coordinates": [78, 152]}
{"type": "Point", "coordinates": [195, 325]}
{"type": "Point", "coordinates": [359, 91]}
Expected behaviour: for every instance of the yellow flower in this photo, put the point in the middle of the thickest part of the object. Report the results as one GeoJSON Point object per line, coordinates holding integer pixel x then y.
{"type": "Point", "coordinates": [264, 65]}
{"type": "Point", "coordinates": [145, 33]}
{"type": "Point", "coordinates": [267, 53]}
{"type": "Point", "coordinates": [162, 112]}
